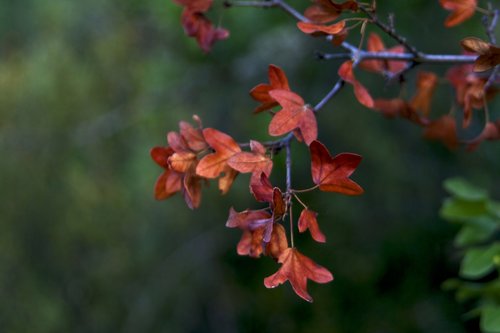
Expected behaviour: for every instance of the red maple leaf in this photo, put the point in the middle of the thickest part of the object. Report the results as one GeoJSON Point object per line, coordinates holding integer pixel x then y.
{"type": "Point", "coordinates": [489, 55]}
{"type": "Point", "coordinates": [261, 188]}
{"type": "Point", "coordinates": [332, 173]}
{"type": "Point", "coordinates": [297, 268]}
{"type": "Point", "coordinates": [256, 162]}
{"type": "Point", "coordinates": [307, 220]}
{"type": "Point", "coordinates": [461, 10]}
{"type": "Point", "coordinates": [277, 80]}
{"type": "Point", "coordinates": [362, 95]}
{"type": "Point", "coordinates": [213, 165]}
{"type": "Point", "coordinates": [426, 84]}
{"type": "Point", "coordinates": [294, 114]}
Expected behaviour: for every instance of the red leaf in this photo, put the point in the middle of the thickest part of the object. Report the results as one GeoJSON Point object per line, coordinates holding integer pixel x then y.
{"type": "Point", "coordinates": [183, 162]}
{"type": "Point", "coordinates": [256, 162]}
{"type": "Point", "coordinates": [297, 268]}
{"type": "Point", "coordinates": [261, 188]}
{"type": "Point", "coordinates": [191, 189]}
{"type": "Point", "coordinates": [193, 136]}
{"type": "Point", "coordinates": [294, 114]}
{"type": "Point", "coordinates": [362, 95]}
{"type": "Point", "coordinates": [277, 80]}
{"type": "Point", "coordinates": [324, 11]}
{"type": "Point", "coordinates": [160, 155]}
{"type": "Point", "coordinates": [197, 25]}
{"type": "Point", "coordinates": [278, 204]}
{"type": "Point", "coordinates": [307, 220]}
{"type": "Point", "coordinates": [332, 173]}
{"type": "Point", "coordinates": [461, 10]}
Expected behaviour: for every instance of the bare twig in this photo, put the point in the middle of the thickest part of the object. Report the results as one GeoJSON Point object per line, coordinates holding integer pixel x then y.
{"type": "Point", "coordinates": [389, 30]}
{"type": "Point", "coordinates": [427, 58]}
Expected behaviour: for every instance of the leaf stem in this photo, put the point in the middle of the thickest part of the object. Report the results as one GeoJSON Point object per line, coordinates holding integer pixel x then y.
{"type": "Point", "coordinates": [300, 201]}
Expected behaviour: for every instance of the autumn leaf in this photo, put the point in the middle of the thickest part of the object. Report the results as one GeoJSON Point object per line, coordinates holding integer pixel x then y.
{"type": "Point", "coordinates": [297, 269]}
{"type": "Point", "coordinates": [278, 204]}
{"type": "Point", "coordinates": [395, 107]}
{"type": "Point", "coordinates": [324, 11]}
{"type": "Point", "coordinates": [443, 129]}
{"type": "Point", "coordinates": [461, 10]}
{"type": "Point", "coordinates": [489, 55]}
{"type": "Point", "coordinates": [212, 165]}
{"type": "Point", "coordinates": [200, 6]}
{"type": "Point", "coordinates": [191, 190]}
{"type": "Point", "coordinates": [261, 188]}
{"type": "Point", "coordinates": [321, 30]}
{"type": "Point", "coordinates": [278, 242]}
{"type": "Point", "coordinates": [426, 84]}
{"type": "Point", "coordinates": [254, 224]}
{"type": "Point", "coordinates": [294, 114]}
{"type": "Point", "coordinates": [183, 161]}
{"type": "Point", "coordinates": [193, 137]}
{"type": "Point", "coordinates": [256, 162]}
{"type": "Point", "coordinates": [169, 182]}
{"type": "Point", "coordinates": [277, 80]}
{"type": "Point", "coordinates": [197, 25]}
{"type": "Point", "coordinates": [332, 173]}
{"type": "Point", "coordinates": [307, 220]}
{"type": "Point", "coordinates": [375, 44]}
{"type": "Point", "coordinates": [490, 132]}
{"type": "Point", "coordinates": [362, 95]}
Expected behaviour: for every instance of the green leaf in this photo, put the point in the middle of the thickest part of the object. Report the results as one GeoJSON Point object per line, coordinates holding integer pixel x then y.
{"type": "Point", "coordinates": [479, 261]}
{"type": "Point", "coordinates": [455, 209]}
{"type": "Point", "coordinates": [490, 319]}
{"type": "Point", "coordinates": [475, 231]}
{"type": "Point", "coordinates": [465, 190]}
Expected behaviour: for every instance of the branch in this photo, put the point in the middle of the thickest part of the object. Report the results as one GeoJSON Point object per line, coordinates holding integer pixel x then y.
{"type": "Point", "coordinates": [390, 31]}
{"type": "Point", "coordinates": [422, 58]}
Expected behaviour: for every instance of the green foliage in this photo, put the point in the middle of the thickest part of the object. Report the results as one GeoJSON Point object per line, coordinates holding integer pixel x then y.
{"type": "Point", "coordinates": [479, 222]}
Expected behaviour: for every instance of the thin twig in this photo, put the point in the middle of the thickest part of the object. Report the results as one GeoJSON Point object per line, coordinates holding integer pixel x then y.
{"type": "Point", "coordinates": [390, 31]}
{"type": "Point", "coordinates": [336, 88]}
{"type": "Point", "coordinates": [289, 187]}
{"type": "Point", "coordinates": [427, 58]}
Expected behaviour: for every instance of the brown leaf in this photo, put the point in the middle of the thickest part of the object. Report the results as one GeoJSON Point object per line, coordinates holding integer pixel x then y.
{"type": "Point", "coordinates": [197, 25]}
{"type": "Point", "coordinates": [297, 268]}
{"type": "Point", "coordinates": [375, 44]}
{"type": "Point", "coordinates": [307, 220]}
{"type": "Point", "coordinates": [489, 55]}
{"type": "Point", "coordinates": [167, 184]}
{"type": "Point", "coordinates": [191, 190]}
{"type": "Point", "coordinates": [332, 173]}
{"type": "Point", "coordinates": [324, 11]}
{"type": "Point", "coordinates": [183, 162]}
{"type": "Point", "coordinates": [261, 188]}
{"type": "Point", "coordinates": [193, 136]}
{"type": "Point", "coordinates": [362, 95]}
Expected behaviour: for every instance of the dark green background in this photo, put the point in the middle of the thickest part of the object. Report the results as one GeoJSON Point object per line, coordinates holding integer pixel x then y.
{"type": "Point", "coordinates": [88, 87]}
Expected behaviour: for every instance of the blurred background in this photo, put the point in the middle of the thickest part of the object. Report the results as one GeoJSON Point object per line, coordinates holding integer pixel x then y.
{"type": "Point", "coordinates": [88, 87]}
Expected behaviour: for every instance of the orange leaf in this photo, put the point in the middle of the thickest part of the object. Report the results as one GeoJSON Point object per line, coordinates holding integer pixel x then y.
{"type": "Point", "coordinates": [363, 96]}
{"type": "Point", "coordinates": [307, 220]}
{"type": "Point", "coordinates": [161, 155]}
{"type": "Point", "coordinates": [461, 10]}
{"type": "Point", "coordinates": [332, 173]}
{"type": "Point", "coordinates": [257, 226]}
{"type": "Point", "coordinates": [167, 184]}
{"type": "Point", "coordinates": [191, 189]}
{"type": "Point", "coordinates": [278, 242]}
{"type": "Point", "coordinates": [321, 30]}
{"type": "Point", "coordinates": [183, 162]}
{"type": "Point", "coordinates": [426, 84]}
{"type": "Point", "coordinates": [443, 129]}
{"type": "Point", "coordinates": [193, 136]}
{"type": "Point", "coordinates": [212, 165]}
{"type": "Point", "coordinates": [277, 80]}
{"type": "Point", "coordinates": [297, 268]}
{"type": "Point", "coordinates": [294, 114]}
{"type": "Point", "coordinates": [375, 44]}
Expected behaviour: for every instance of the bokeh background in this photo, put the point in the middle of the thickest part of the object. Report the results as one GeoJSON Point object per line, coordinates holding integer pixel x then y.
{"type": "Point", "coordinates": [88, 87]}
